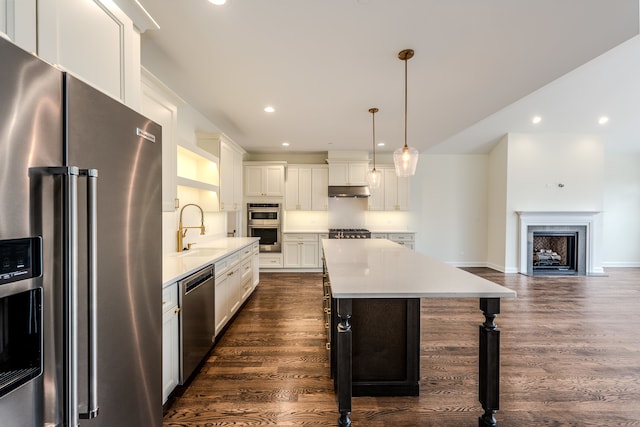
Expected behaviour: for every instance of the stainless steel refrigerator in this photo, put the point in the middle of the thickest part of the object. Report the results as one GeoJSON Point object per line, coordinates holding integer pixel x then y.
{"type": "Point", "coordinates": [80, 253]}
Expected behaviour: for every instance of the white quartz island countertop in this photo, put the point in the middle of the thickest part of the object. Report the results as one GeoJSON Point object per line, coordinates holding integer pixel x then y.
{"type": "Point", "coordinates": [181, 264]}
{"type": "Point", "coordinates": [376, 268]}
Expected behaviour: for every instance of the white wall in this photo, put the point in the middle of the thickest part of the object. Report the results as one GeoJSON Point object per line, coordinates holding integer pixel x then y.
{"type": "Point", "coordinates": [520, 174]}
{"type": "Point", "coordinates": [449, 208]}
{"type": "Point", "coordinates": [497, 206]}
{"type": "Point", "coordinates": [552, 172]}
{"type": "Point", "coordinates": [621, 218]}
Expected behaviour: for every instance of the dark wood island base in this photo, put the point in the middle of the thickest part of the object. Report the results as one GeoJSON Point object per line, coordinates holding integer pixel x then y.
{"type": "Point", "coordinates": [372, 306]}
{"type": "Point", "coordinates": [348, 379]}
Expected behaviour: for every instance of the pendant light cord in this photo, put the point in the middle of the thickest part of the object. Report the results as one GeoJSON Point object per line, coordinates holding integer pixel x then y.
{"type": "Point", "coordinates": [373, 114]}
{"type": "Point", "coordinates": [405, 103]}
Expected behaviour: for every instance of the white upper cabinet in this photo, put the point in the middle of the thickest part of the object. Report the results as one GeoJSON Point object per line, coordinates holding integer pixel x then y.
{"type": "Point", "coordinates": [264, 180]}
{"type": "Point", "coordinates": [320, 188]}
{"type": "Point", "coordinates": [161, 106]}
{"type": "Point", "coordinates": [230, 167]}
{"type": "Point", "coordinates": [95, 41]}
{"type": "Point", "coordinates": [376, 200]}
{"type": "Point", "coordinates": [306, 187]}
{"type": "Point", "coordinates": [396, 191]}
{"type": "Point", "coordinates": [348, 173]}
{"type": "Point", "coordinates": [18, 20]}
{"type": "Point", "coordinates": [393, 193]}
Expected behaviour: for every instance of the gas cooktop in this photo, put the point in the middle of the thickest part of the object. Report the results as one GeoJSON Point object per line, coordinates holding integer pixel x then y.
{"type": "Point", "coordinates": [349, 233]}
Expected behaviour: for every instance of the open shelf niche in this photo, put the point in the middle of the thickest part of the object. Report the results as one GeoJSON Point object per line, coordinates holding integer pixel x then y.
{"type": "Point", "coordinates": [198, 178]}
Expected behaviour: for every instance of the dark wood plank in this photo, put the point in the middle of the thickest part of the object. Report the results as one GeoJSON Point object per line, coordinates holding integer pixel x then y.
{"type": "Point", "coordinates": [570, 356]}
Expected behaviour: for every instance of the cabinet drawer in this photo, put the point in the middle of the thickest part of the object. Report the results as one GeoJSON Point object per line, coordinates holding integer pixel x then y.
{"type": "Point", "coordinates": [378, 235]}
{"type": "Point", "coordinates": [222, 266]}
{"type": "Point", "coordinates": [268, 260]}
{"type": "Point", "coordinates": [246, 270]}
{"type": "Point", "coordinates": [169, 297]}
{"type": "Point", "coordinates": [226, 263]}
{"type": "Point", "coordinates": [303, 237]}
{"type": "Point", "coordinates": [401, 237]}
{"type": "Point", "coordinates": [247, 288]}
{"type": "Point", "coordinates": [245, 252]}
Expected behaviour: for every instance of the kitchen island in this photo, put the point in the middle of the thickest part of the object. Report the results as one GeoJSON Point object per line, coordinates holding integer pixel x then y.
{"type": "Point", "coordinates": [371, 269]}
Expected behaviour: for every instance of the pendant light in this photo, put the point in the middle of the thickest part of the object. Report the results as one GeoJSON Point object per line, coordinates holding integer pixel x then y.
{"type": "Point", "coordinates": [405, 158]}
{"type": "Point", "coordinates": [373, 177]}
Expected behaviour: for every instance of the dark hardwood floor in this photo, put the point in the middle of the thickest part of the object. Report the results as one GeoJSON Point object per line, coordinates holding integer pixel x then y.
{"type": "Point", "coordinates": [570, 357]}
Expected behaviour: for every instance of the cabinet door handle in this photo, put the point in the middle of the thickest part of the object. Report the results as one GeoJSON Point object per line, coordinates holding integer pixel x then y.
{"type": "Point", "coordinates": [176, 310]}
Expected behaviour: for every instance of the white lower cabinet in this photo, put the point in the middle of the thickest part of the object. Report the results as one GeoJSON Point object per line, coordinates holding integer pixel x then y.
{"type": "Point", "coordinates": [170, 340]}
{"type": "Point", "coordinates": [270, 260]}
{"type": "Point", "coordinates": [227, 299]}
{"type": "Point", "coordinates": [405, 239]}
{"type": "Point", "coordinates": [255, 264]}
{"type": "Point", "coordinates": [300, 250]}
{"type": "Point", "coordinates": [234, 283]}
{"type": "Point", "coordinates": [320, 237]}
{"type": "Point", "coordinates": [246, 282]}
{"type": "Point", "coordinates": [237, 275]}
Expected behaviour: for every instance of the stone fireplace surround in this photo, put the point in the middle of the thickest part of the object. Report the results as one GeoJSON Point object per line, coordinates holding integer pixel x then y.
{"type": "Point", "coordinates": [534, 220]}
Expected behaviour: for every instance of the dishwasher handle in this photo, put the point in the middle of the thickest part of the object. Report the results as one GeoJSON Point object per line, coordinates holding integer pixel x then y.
{"type": "Point", "coordinates": [195, 281]}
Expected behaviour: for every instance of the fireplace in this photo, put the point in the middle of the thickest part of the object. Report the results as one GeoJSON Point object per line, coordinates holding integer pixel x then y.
{"type": "Point", "coordinates": [568, 239]}
{"type": "Point", "coordinates": [556, 250]}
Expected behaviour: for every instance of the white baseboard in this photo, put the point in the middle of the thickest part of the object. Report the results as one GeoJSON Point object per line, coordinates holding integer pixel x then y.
{"type": "Point", "coordinates": [621, 264]}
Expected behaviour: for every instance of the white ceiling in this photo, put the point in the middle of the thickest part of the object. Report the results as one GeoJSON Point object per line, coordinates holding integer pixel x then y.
{"type": "Point", "coordinates": [482, 68]}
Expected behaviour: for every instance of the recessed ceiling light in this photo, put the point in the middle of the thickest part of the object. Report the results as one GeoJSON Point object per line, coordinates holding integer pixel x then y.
{"type": "Point", "coordinates": [285, 144]}
{"type": "Point", "coordinates": [536, 119]}
{"type": "Point", "coordinates": [380, 144]}
{"type": "Point", "coordinates": [218, 2]}
{"type": "Point", "coordinates": [602, 120]}
{"type": "Point", "coordinates": [269, 109]}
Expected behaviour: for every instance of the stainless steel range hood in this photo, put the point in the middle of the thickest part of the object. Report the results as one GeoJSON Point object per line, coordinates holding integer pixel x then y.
{"type": "Point", "coordinates": [349, 191]}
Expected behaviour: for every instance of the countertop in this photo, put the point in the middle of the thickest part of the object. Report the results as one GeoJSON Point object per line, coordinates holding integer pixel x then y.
{"type": "Point", "coordinates": [378, 268]}
{"type": "Point", "coordinates": [180, 265]}
{"type": "Point", "coordinates": [307, 230]}
{"type": "Point", "coordinates": [326, 230]}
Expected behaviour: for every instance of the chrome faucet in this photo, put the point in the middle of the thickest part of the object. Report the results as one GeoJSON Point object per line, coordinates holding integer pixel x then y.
{"type": "Point", "coordinates": [182, 231]}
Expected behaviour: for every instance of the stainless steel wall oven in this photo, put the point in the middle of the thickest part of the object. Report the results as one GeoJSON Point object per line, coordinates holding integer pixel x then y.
{"type": "Point", "coordinates": [263, 221]}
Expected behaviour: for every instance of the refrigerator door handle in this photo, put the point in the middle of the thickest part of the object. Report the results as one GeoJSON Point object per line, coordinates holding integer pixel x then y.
{"type": "Point", "coordinates": [92, 269]}
{"type": "Point", "coordinates": [70, 261]}
{"type": "Point", "coordinates": [69, 175]}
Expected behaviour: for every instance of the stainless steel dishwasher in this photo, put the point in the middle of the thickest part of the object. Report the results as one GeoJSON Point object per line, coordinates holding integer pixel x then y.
{"type": "Point", "coordinates": [197, 293]}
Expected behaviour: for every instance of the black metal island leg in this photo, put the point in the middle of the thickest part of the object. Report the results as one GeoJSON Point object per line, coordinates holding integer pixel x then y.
{"type": "Point", "coordinates": [489, 369]}
{"type": "Point", "coordinates": [344, 359]}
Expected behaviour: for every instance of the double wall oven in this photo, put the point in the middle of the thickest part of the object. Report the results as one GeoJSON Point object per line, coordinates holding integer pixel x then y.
{"type": "Point", "coordinates": [263, 221]}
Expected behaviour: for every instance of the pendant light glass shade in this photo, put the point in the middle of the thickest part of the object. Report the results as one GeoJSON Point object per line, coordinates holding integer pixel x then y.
{"type": "Point", "coordinates": [405, 159]}
{"type": "Point", "coordinates": [374, 179]}
{"type": "Point", "coordinates": [374, 176]}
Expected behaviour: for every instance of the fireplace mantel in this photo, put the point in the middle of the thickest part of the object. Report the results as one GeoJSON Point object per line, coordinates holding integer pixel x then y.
{"type": "Point", "coordinates": [545, 215]}
{"type": "Point", "coordinates": [560, 218]}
